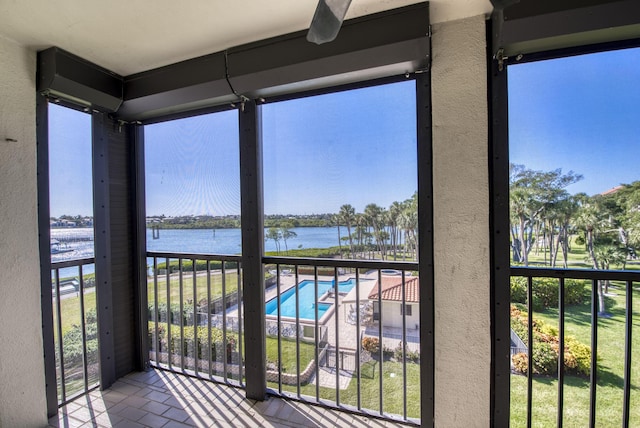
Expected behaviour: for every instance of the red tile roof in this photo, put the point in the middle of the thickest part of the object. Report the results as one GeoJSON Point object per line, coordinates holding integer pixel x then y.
{"type": "Point", "coordinates": [392, 289]}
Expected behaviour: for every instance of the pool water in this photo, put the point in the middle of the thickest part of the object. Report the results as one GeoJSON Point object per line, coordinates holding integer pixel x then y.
{"type": "Point", "coordinates": [306, 299]}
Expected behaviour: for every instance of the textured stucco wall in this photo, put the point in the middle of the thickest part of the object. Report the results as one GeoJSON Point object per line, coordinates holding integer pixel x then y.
{"type": "Point", "coordinates": [461, 224]}
{"type": "Point", "coordinates": [22, 384]}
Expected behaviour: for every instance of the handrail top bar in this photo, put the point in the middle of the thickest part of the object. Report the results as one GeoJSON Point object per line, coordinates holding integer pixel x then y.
{"type": "Point", "coordinates": [616, 275]}
{"type": "Point", "coordinates": [324, 262]}
{"type": "Point", "coordinates": [72, 263]}
{"type": "Point", "coordinates": [192, 256]}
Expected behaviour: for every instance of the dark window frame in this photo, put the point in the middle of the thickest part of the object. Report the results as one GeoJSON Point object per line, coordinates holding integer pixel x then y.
{"type": "Point", "coordinates": [536, 24]}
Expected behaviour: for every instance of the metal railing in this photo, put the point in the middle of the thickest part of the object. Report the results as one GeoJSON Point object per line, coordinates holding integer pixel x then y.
{"type": "Point", "coordinates": [75, 328]}
{"type": "Point", "coordinates": [322, 341]}
{"type": "Point", "coordinates": [598, 320]}
{"type": "Point", "coordinates": [195, 315]}
{"type": "Point", "coordinates": [363, 363]}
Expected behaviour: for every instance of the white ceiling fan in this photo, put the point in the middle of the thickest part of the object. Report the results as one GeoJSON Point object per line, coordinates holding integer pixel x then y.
{"type": "Point", "coordinates": [327, 20]}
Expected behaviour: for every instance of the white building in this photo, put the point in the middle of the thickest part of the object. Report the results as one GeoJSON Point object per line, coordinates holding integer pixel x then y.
{"type": "Point", "coordinates": [391, 299]}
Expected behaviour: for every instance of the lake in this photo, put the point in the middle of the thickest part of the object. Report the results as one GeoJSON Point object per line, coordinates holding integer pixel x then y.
{"type": "Point", "coordinates": [203, 241]}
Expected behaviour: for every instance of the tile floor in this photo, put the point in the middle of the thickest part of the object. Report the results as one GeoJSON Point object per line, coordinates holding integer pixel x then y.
{"type": "Point", "coordinates": [160, 399]}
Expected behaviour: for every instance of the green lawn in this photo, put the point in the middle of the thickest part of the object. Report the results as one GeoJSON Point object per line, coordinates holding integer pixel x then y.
{"type": "Point", "coordinates": [231, 286]}
{"type": "Point", "coordinates": [576, 391]}
{"type": "Point", "coordinates": [392, 386]}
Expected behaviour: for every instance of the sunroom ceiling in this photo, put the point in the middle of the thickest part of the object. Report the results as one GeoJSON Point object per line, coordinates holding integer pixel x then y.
{"type": "Point", "coordinates": [130, 36]}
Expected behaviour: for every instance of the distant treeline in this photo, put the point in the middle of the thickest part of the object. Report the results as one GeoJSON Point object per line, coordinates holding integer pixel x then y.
{"type": "Point", "coordinates": [233, 222]}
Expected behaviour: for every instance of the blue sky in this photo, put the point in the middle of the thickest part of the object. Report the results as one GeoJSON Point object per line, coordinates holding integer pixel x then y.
{"type": "Point", "coordinates": [70, 188]}
{"type": "Point", "coordinates": [580, 113]}
{"type": "Point", "coordinates": [320, 152]}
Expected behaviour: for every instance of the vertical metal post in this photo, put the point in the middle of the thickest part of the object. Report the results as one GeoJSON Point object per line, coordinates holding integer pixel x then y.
{"type": "Point", "coordinates": [499, 227]}
{"type": "Point", "coordinates": [279, 327]}
{"type": "Point", "coordinates": [295, 267]}
{"type": "Point", "coordinates": [240, 337]}
{"type": "Point", "coordinates": [195, 318]}
{"type": "Point", "coordinates": [593, 376]}
{"type": "Point", "coordinates": [253, 247]}
{"type": "Point", "coordinates": [335, 315]}
{"type": "Point", "coordinates": [46, 297]}
{"type": "Point", "coordinates": [560, 352]}
{"type": "Point", "coordinates": [83, 326]}
{"type": "Point", "coordinates": [404, 346]}
{"type": "Point", "coordinates": [140, 239]}
{"type": "Point", "coordinates": [317, 353]}
{"type": "Point", "coordinates": [181, 294]}
{"type": "Point", "coordinates": [425, 248]}
{"type": "Point", "coordinates": [223, 272]}
{"type": "Point", "coordinates": [169, 312]}
{"type": "Point", "coordinates": [63, 380]}
{"type": "Point", "coordinates": [102, 227]}
{"type": "Point", "coordinates": [209, 316]}
{"type": "Point", "coordinates": [358, 342]}
{"type": "Point", "coordinates": [380, 343]}
{"type": "Point", "coordinates": [157, 312]}
{"type": "Point", "coordinates": [628, 322]}
{"type": "Point", "coordinates": [530, 349]}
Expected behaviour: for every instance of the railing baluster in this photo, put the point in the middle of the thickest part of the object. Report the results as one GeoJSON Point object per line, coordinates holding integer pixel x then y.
{"type": "Point", "coordinates": [295, 267]}
{"type": "Point", "coordinates": [180, 283]}
{"type": "Point", "coordinates": [63, 389]}
{"type": "Point", "coordinates": [358, 341]}
{"type": "Point", "coordinates": [560, 352]}
{"type": "Point", "coordinates": [317, 353]}
{"type": "Point", "coordinates": [83, 326]}
{"type": "Point", "coordinates": [209, 317]}
{"type": "Point", "coordinates": [404, 346]}
{"type": "Point", "coordinates": [156, 311]}
{"type": "Point", "coordinates": [627, 352]}
{"type": "Point", "coordinates": [225, 353]}
{"type": "Point", "coordinates": [279, 327]}
{"type": "Point", "coordinates": [594, 351]}
{"type": "Point", "coordinates": [240, 323]}
{"type": "Point", "coordinates": [381, 342]}
{"type": "Point", "coordinates": [169, 313]}
{"type": "Point", "coordinates": [335, 314]}
{"type": "Point", "coordinates": [530, 349]}
{"type": "Point", "coordinates": [195, 319]}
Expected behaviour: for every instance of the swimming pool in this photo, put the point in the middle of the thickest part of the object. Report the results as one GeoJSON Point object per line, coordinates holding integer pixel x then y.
{"type": "Point", "coordinates": [306, 299]}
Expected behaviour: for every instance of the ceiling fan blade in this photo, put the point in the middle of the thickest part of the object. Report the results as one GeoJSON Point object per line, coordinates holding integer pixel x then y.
{"type": "Point", "coordinates": [327, 20]}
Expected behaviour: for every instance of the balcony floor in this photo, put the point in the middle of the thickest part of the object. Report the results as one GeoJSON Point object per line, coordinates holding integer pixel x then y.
{"type": "Point", "coordinates": [163, 399]}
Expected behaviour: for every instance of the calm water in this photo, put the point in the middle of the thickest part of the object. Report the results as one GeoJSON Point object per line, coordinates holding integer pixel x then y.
{"type": "Point", "coordinates": [203, 241]}
{"type": "Point", "coordinates": [228, 241]}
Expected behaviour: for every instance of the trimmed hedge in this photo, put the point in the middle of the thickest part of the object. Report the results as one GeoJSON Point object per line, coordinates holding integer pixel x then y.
{"type": "Point", "coordinates": [201, 265]}
{"type": "Point", "coordinates": [545, 291]}
{"type": "Point", "coordinates": [72, 340]}
{"type": "Point", "coordinates": [577, 356]}
{"type": "Point", "coordinates": [189, 342]}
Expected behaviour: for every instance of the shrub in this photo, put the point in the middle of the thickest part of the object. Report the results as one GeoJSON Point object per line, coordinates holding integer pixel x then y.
{"type": "Point", "coordinates": [545, 359]}
{"type": "Point", "coordinates": [545, 292]}
{"type": "Point", "coordinates": [576, 356]}
{"type": "Point", "coordinates": [582, 354]}
{"type": "Point", "coordinates": [371, 344]}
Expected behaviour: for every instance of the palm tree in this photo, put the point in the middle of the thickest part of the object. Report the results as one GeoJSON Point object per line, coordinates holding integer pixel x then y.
{"type": "Point", "coordinates": [286, 234]}
{"type": "Point", "coordinates": [275, 234]}
{"type": "Point", "coordinates": [348, 215]}
{"type": "Point", "coordinates": [393, 215]}
{"type": "Point", "coordinates": [590, 219]}
{"type": "Point", "coordinates": [374, 215]}
{"type": "Point", "coordinates": [336, 220]}
{"type": "Point", "coordinates": [609, 255]}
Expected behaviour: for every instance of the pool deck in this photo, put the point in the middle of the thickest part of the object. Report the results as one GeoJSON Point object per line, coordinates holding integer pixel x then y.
{"type": "Point", "coordinates": [348, 336]}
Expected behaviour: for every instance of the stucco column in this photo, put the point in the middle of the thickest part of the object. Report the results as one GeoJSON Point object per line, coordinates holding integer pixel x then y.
{"type": "Point", "coordinates": [461, 224]}
{"type": "Point", "coordinates": [22, 383]}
